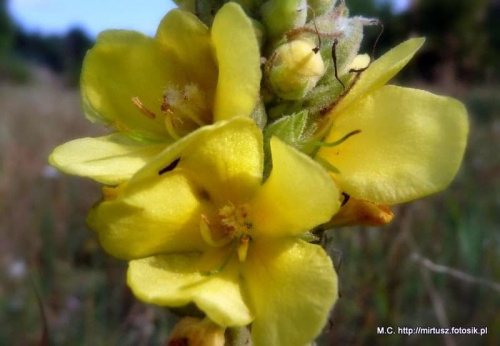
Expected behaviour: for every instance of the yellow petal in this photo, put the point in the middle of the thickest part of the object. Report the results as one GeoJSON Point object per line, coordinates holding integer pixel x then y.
{"type": "Point", "coordinates": [381, 71]}
{"type": "Point", "coordinates": [176, 280]}
{"type": "Point", "coordinates": [238, 58]}
{"type": "Point", "coordinates": [154, 216]}
{"type": "Point", "coordinates": [110, 159]}
{"type": "Point", "coordinates": [411, 145]}
{"type": "Point", "coordinates": [188, 40]}
{"type": "Point", "coordinates": [298, 195]}
{"type": "Point", "coordinates": [291, 286]}
{"type": "Point", "coordinates": [124, 65]}
{"type": "Point", "coordinates": [225, 159]}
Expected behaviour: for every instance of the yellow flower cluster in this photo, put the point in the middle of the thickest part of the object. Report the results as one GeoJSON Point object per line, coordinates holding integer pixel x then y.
{"type": "Point", "coordinates": [235, 136]}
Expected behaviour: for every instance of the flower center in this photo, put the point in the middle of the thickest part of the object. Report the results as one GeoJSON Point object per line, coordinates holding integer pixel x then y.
{"type": "Point", "coordinates": [185, 109]}
{"type": "Point", "coordinates": [232, 225]}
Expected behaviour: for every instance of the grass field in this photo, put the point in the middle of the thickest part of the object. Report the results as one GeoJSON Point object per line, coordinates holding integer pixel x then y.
{"type": "Point", "coordinates": [435, 266]}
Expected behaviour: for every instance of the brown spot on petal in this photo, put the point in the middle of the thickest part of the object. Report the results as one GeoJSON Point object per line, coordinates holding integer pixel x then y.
{"type": "Point", "coordinates": [361, 212]}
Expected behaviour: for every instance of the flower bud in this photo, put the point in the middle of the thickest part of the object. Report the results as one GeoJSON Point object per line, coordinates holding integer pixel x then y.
{"type": "Point", "coordinates": [251, 7]}
{"type": "Point", "coordinates": [320, 6]}
{"type": "Point", "coordinates": [196, 332]}
{"type": "Point", "coordinates": [280, 16]}
{"type": "Point", "coordinates": [295, 69]}
{"type": "Point", "coordinates": [186, 5]}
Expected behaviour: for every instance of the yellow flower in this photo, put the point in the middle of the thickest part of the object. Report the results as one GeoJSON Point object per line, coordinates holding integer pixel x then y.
{"type": "Point", "coordinates": [195, 332]}
{"type": "Point", "coordinates": [410, 143]}
{"type": "Point", "coordinates": [198, 225]}
{"type": "Point", "coordinates": [155, 90]}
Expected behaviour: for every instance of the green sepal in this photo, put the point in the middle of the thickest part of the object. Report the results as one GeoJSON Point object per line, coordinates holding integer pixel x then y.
{"type": "Point", "coordinates": [251, 7]}
{"type": "Point", "coordinates": [320, 7]}
{"type": "Point", "coordinates": [327, 165]}
{"type": "Point", "coordinates": [332, 144]}
{"type": "Point", "coordinates": [259, 115]}
{"type": "Point", "coordinates": [290, 129]}
{"type": "Point", "coordinates": [206, 10]}
{"type": "Point", "coordinates": [186, 5]}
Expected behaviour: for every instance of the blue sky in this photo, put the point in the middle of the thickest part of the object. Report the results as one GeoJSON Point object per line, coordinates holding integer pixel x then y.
{"type": "Point", "coordinates": [93, 16]}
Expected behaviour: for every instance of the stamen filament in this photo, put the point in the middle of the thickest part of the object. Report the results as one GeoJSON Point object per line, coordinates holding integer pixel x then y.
{"type": "Point", "coordinates": [225, 263]}
{"type": "Point", "coordinates": [169, 124]}
{"type": "Point", "coordinates": [207, 235]}
{"type": "Point", "coordinates": [243, 247]}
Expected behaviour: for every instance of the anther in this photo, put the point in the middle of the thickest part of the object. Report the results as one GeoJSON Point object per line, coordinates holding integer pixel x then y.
{"type": "Point", "coordinates": [372, 57]}
{"type": "Point", "coordinates": [137, 102]}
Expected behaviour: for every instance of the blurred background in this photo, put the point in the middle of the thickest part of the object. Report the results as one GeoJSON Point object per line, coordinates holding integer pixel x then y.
{"type": "Point", "coordinates": [436, 265]}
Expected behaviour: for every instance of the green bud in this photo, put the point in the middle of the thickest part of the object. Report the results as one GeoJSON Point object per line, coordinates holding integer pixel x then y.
{"type": "Point", "coordinates": [251, 7]}
{"type": "Point", "coordinates": [186, 5]}
{"type": "Point", "coordinates": [260, 32]}
{"type": "Point", "coordinates": [206, 10]}
{"type": "Point", "coordinates": [320, 6]}
{"type": "Point", "coordinates": [295, 69]}
{"type": "Point", "coordinates": [280, 16]}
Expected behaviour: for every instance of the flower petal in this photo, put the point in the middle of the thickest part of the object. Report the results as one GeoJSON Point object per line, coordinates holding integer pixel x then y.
{"type": "Point", "coordinates": [298, 195]}
{"type": "Point", "coordinates": [160, 214]}
{"type": "Point", "coordinates": [238, 57]}
{"type": "Point", "coordinates": [188, 39]}
{"type": "Point", "coordinates": [291, 286]}
{"type": "Point", "coordinates": [110, 159]}
{"type": "Point", "coordinates": [123, 65]}
{"type": "Point", "coordinates": [225, 159]}
{"type": "Point", "coordinates": [176, 280]}
{"type": "Point", "coordinates": [411, 145]}
{"type": "Point", "coordinates": [381, 71]}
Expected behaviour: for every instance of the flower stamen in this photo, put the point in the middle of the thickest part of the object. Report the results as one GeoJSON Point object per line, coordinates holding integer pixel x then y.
{"type": "Point", "coordinates": [187, 102]}
{"type": "Point", "coordinates": [243, 245]}
{"type": "Point", "coordinates": [137, 102]}
{"type": "Point", "coordinates": [208, 235]}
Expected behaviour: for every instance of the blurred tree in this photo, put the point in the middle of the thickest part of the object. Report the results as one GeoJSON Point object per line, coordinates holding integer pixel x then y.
{"type": "Point", "coordinates": [42, 50]}
{"type": "Point", "coordinates": [395, 30]}
{"type": "Point", "coordinates": [76, 45]}
{"type": "Point", "coordinates": [493, 29]}
{"type": "Point", "coordinates": [457, 38]}
{"type": "Point", "coordinates": [6, 29]}
{"type": "Point", "coordinates": [61, 54]}
{"type": "Point", "coordinates": [11, 68]}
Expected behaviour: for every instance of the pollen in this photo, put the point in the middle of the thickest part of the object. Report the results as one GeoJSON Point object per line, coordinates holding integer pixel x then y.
{"type": "Point", "coordinates": [234, 220]}
{"type": "Point", "coordinates": [230, 225]}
